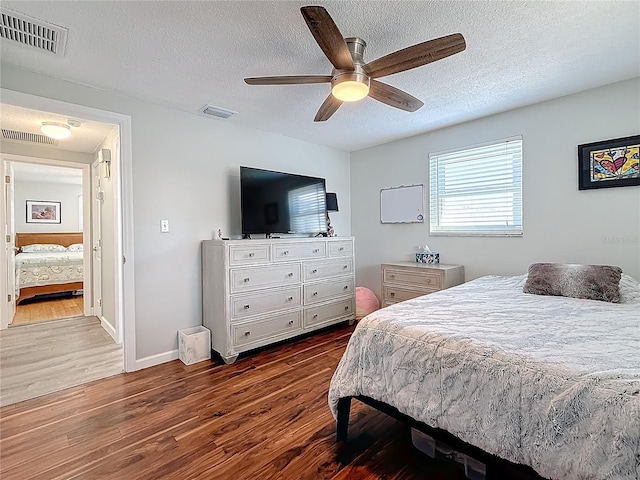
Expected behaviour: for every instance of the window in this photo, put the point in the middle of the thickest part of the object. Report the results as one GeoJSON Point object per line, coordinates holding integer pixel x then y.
{"type": "Point", "coordinates": [477, 191]}
{"type": "Point", "coordinates": [307, 209]}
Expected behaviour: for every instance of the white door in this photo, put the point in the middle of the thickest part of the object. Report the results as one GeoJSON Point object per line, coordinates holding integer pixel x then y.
{"type": "Point", "coordinates": [10, 242]}
{"type": "Point", "coordinates": [96, 238]}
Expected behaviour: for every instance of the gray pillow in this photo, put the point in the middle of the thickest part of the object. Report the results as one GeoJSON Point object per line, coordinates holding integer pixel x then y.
{"type": "Point", "coordinates": [591, 282]}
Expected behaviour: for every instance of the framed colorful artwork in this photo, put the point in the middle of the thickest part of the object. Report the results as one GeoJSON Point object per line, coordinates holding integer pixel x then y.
{"type": "Point", "coordinates": [43, 212]}
{"type": "Point", "coordinates": [610, 163]}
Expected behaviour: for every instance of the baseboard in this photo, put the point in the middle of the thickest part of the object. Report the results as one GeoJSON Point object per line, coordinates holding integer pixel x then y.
{"type": "Point", "coordinates": [109, 329]}
{"type": "Point", "coordinates": [157, 359]}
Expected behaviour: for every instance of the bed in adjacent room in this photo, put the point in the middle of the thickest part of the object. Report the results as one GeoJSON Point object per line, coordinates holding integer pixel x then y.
{"type": "Point", "coordinates": [544, 380]}
{"type": "Point", "coordinates": [48, 263]}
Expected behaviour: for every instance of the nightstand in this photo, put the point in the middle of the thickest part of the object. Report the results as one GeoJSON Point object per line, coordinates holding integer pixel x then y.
{"type": "Point", "coordinates": [405, 280]}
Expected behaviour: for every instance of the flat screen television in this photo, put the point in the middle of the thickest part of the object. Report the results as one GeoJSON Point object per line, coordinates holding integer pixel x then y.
{"type": "Point", "coordinates": [281, 203]}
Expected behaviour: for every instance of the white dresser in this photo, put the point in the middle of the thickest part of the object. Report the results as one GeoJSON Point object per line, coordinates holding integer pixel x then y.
{"type": "Point", "coordinates": [257, 292]}
{"type": "Point", "coordinates": [406, 280]}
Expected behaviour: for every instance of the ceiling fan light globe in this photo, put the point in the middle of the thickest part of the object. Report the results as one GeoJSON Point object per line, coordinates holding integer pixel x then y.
{"type": "Point", "coordinates": [350, 91]}
{"type": "Point", "coordinates": [55, 130]}
{"type": "Point", "coordinates": [350, 86]}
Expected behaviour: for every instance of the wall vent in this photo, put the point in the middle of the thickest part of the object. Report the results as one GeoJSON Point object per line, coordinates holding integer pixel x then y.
{"type": "Point", "coordinates": [214, 111]}
{"type": "Point", "coordinates": [32, 33]}
{"type": "Point", "coordinates": [28, 137]}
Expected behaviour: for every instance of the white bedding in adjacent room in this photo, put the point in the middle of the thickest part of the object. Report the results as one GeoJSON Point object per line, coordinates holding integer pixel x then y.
{"type": "Point", "coordinates": [550, 382]}
{"type": "Point", "coordinates": [47, 268]}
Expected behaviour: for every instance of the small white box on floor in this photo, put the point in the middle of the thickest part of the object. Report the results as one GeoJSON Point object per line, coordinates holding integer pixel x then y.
{"type": "Point", "coordinates": [194, 345]}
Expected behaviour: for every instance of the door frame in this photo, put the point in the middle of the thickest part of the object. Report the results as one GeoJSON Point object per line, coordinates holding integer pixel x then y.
{"type": "Point", "coordinates": [86, 258]}
{"type": "Point", "coordinates": [96, 243]}
{"type": "Point", "coordinates": [123, 221]}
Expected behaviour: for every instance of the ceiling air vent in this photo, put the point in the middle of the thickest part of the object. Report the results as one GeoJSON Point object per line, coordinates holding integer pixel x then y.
{"type": "Point", "coordinates": [27, 137]}
{"type": "Point", "coordinates": [216, 111]}
{"type": "Point", "coordinates": [32, 33]}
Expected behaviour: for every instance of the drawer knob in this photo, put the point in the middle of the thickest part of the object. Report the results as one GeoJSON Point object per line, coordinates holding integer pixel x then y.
{"type": "Point", "coordinates": [251, 254]}
{"type": "Point", "coordinates": [345, 267]}
{"type": "Point", "coordinates": [316, 250]}
{"type": "Point", "coordinates": [346, 307]}
{"type": "Point", "coordinates": [246, 307]}
{"type": "Point", "coordinates": [392, 276]}
{"type": "Point", "coordinates": [314, 270]}
{"type": "Point", "coordinates": [315, 293]}
{"type": "Point", "coordinates": [290, 322]}
{"type": "Point", "coordinates": [290, 298]}
{"type": "Point", "coordinates": [392, 294]}
{"type": "Point", "coordinates": [290, 274]}
{"type": "Point", "coordinates": [246, 334]}
{"type": "Point", "coordinates": [346, 287]}
{"type": "Point", "coordinates": [428, 280]}
{"type": "Point", "coordinates": [286, 252]}
{"type": "Point", "coordinates": [341, 249]}
{"type": "Point", "coordinates": [246, 280]}
{"type": "Point", "coordinates": [315, 315]}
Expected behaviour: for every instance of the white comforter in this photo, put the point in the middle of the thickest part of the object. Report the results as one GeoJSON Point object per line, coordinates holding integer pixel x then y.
{"type": "Point", "coordinates": [549, 382]}
{"type": "Point", "coordinates": [47, 268]}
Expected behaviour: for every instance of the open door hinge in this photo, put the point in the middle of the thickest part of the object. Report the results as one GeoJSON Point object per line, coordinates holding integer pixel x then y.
{"type": "Point", "coordinates": [9, 298]}
{"type": "Point", "coordinates": [8, 238]}
{"type": "Point", "coordinates": [7, 179]}
{"type": "Point", "coordinates": [100, 302]}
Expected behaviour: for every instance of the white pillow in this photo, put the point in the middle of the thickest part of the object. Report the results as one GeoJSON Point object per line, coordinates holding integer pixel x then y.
{"type": "Point", "coordinates": [76, 247]}
{"type": "Point", "coordinates": [43, 248]}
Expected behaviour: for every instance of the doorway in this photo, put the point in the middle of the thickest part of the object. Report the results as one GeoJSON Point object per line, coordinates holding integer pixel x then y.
{"type": "Point", "coordinates": [120, 225]}
{"type": "Point", "coordinates": [49, 285]}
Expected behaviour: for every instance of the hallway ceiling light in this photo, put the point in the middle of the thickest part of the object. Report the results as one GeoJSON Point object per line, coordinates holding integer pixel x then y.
{"type": "Point", "coordinates": [56, 130]}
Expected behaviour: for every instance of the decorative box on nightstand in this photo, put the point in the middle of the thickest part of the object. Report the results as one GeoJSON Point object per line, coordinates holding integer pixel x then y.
{"type": "Point", "coordinates": [405, 280]}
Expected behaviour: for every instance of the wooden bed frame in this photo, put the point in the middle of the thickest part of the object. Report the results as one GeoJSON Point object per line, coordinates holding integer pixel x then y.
{"type": "Point", "coordinates": [60, 238]}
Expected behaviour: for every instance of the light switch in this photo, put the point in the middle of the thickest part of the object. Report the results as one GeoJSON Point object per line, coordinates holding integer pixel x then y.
{"type": "Point", "coordinates": [164, 226]}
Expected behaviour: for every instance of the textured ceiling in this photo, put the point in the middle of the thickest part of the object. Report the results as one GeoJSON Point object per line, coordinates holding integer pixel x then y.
{"type": "Point", "coordinates": [187, 54]}
{"type": "Point", "coordinates": [86, 137]}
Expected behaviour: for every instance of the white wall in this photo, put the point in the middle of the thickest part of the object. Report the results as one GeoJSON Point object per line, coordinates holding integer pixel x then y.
{"type": "Point", "coordinates": [66, 194]}
{"type": "Point", "coordinates": [185, 170]}
{"type": "Point", "coordinates": [561, 223]}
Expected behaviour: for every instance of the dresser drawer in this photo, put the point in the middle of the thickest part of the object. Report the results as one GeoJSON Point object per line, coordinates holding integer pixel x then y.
{"type": "Point", "coordinates": [394, 294]}
{"type": "Point", "coordinates": [246, 279]}
{"type": "Point", "coordinates": [340, 248]}
{"type": "Point", "coordinates": [325, 269]}
{"type": "Point", "coordinates": [241, 254]}
{"type": "Point", "coordinates": [243, 306]}
{"type": "Point", "coordinates": [424, 279]}
{"type": "Point", "coordinates": [299, 251]}
{"type": "Point", "coordinates": [267, 328]}
{"type": "Point", "coordinates": [326, 313]}
{"type": "Point", "coordinates": [321, 292]}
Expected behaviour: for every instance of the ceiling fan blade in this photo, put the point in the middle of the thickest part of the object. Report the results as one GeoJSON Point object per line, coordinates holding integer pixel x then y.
{"type": "Point", "coordinates": [328, 108]}
{"type": "Point", "coordinates": [393, 96]}
{"type": "Point", "coordinates": [288, 80]}
{"type": "Point", "coordinates": [416, 56]}
{"type": "Point", "coordinates": [329, 38]}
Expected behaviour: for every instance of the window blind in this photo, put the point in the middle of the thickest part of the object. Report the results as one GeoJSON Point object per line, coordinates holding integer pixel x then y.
{"type": "Point", "coordinates": [307, 208]}
{"type": "Point", "coordinates": [477, 190]}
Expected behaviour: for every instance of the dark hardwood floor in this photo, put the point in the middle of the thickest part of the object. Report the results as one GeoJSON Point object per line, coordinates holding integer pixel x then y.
{"type": "Point", "coordinates": [264, 417]}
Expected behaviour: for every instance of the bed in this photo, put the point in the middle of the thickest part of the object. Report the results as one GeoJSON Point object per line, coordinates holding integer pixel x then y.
{"type": "Point", "coordinates": [545, 381]}
{"type": "Point", "coordinates": [42, 269]}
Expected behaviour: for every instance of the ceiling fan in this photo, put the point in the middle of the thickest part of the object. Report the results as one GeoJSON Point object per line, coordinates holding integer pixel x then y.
{"type": "Point", "coordinates": [352, 79]}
